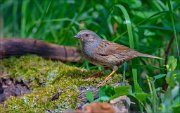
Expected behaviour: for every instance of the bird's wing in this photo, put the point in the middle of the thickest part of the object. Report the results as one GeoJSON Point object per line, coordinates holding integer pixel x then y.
{"type": "Point", "coordinates": [106, 48]}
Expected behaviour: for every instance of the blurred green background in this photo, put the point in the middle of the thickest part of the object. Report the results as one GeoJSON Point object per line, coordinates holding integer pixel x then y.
{"type": "Point", "coordinates": [153, 22]}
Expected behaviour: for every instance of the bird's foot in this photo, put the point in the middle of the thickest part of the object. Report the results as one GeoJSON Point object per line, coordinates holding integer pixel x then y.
{"type": "Point", "coordinates": [106, 79]}
{"type": "Point", "coordinates": [102, 83]}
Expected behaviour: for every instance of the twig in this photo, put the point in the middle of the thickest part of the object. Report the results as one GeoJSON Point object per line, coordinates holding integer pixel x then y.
{"type": "Point", "coordinates": [166, 60]}
{"type": "Point", "coordinates": [168, 50]}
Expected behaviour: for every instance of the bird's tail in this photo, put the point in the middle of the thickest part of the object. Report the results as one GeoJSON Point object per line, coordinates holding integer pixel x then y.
{"type": "Point", "coordinates": [150, 56]}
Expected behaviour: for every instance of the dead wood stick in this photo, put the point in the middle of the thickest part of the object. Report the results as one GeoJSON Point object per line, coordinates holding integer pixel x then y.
{"type": "Point", "coordinates": [18, 47]}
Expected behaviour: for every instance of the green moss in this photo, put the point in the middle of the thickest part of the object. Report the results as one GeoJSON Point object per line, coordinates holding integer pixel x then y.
{"type": "Point", "coordinates": [45, 78]}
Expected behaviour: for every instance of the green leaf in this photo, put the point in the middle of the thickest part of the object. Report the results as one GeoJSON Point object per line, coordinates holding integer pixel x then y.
{"type": "Point", "coordinates": [159, 76]}
{"type": "Point", "coordinates": [170, 79]}
{"type": "Point", "coordinates": [176, 105]}
{"type": "Point", "coordinates": [106, 91]}
{"type": "Point", "coordinates": [178, 77]}
{"type": "Point", "coordinates": [102, 91]}
{"type": "Point", "coordinates": [137, 88]}
{"type": "Point", "coordinates": [110, 91]}
{"type": "Point", "coordinates": [175, 92]}
{"type": "Point", "coordinates": [136, 3]}
{"type": "Point", "coordinates": [176, 109]}
{"type": "Point", "coordinates": [121, 90]}
{"type": "Point", "coordinates": [172, 63]}
{"type": "Point", "coordinates": [141, 96]}
{"type": "Point", "coordinates": [103, 99]}
{"type": "Point", "coordinates": [89, 96]}
{"type": "Point", "coordinates": [128, 23]}
{"type": "Point", "coordinates": [118, 19]}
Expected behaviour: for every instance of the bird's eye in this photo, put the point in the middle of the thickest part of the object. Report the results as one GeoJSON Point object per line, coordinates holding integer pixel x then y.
{"type": "Point", "coordinates": [86, 35]}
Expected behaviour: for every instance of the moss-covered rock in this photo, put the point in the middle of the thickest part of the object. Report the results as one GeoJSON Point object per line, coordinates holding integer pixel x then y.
{"type": "Point", "coordinates": [45, 78]}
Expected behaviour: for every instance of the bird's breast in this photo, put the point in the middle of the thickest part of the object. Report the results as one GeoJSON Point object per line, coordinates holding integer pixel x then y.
{"type": "Point", "coordinates": [89, 47]}
{"type": "Point", "coordinates": [88, 50]}
{"type": "Point", "coordinates": [90, 53]}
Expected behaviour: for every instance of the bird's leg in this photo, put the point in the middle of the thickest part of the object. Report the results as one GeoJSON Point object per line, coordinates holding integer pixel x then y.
{"type": "Point", "coordinates": [109, 76]}
{"type": "Point", "coordinates": [123, 83]}
{"type": "Point", "coordinates": [124, 72]}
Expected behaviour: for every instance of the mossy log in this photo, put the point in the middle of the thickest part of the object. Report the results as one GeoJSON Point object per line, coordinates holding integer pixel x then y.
{"type": "Point", "coordinates": [54, 86]}
{"type": "Point", "coordinates": [18, 47]}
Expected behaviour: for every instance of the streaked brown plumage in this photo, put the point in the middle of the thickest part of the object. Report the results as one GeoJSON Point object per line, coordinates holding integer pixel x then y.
{"type": "Point", "coordinates": [105, 53]}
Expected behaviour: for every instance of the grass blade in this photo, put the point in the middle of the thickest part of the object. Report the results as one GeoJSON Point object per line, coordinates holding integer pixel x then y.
{"type": "Point", "coordinates": [23, 18]}
{"type": "Point", "coordinates": [128, 23]}
{"type": "Point", "coordinates": [173, 25]}
{"type": "Point", "coordinates": [131, 42]}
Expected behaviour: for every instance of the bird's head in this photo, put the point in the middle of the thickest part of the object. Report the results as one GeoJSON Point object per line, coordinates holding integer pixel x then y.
{"type": "Point", "coordinates": [87, 36]}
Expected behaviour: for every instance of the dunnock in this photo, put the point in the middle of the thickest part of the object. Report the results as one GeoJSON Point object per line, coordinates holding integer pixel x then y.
{"type": "Point", "coordinates": [105, 53]}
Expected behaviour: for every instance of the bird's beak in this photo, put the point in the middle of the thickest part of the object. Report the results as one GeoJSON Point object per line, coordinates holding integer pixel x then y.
{"type": "Point", "coordinates": [77, 36]}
